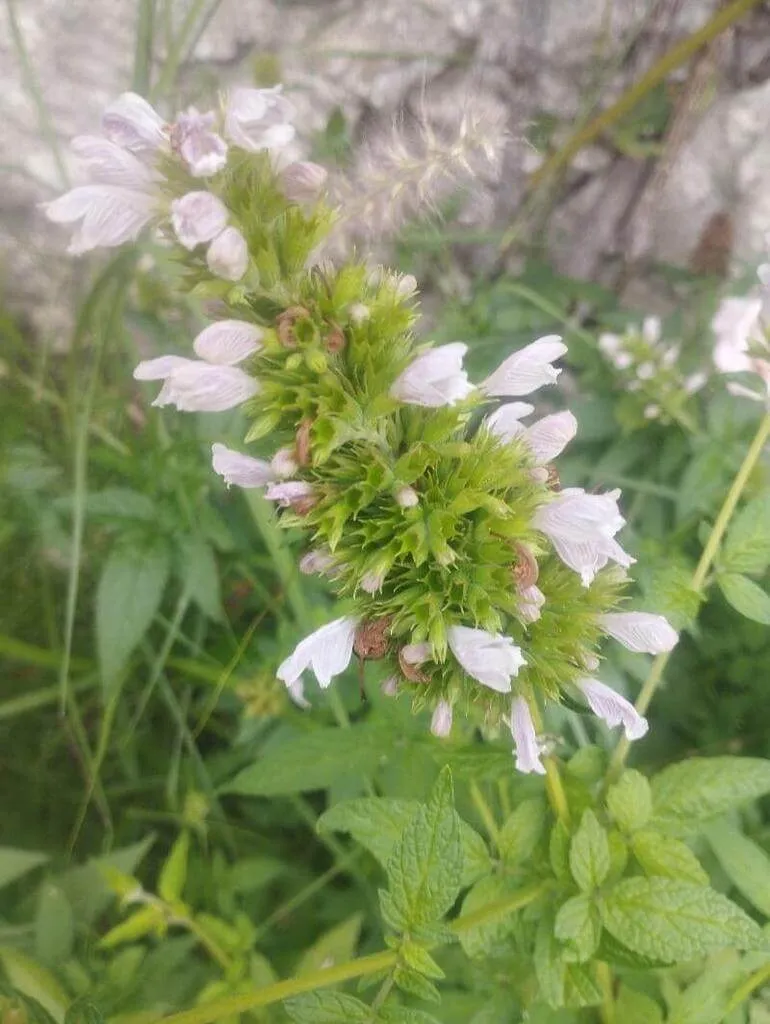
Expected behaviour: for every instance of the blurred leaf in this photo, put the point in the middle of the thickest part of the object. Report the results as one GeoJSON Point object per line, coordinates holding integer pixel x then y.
{"type": "Point", "coordinates": [629, 801]}
{"type": "Point", "coordinates": [693, 791]}
{"type": "Point", "coordinates": [632, 1007]}
{"type": "Point", "coordinates": [746, 597]}
{"type": "Point", "coordinates": [664, 857]}
{"type": "Point", "coordinates": [333, 947]}
{"type": "Point", "coordinates": [174, 871]}
{"type": "Point", "coordinates": [745, 863]}
{"type": "Point", "coordinates": [578, 926]}
{"type": "Point", "coordinates": [326, 1007]}
{"type": "Point", "coordinates": [200, 575]}
{"type": "Point", "coordinates": [589, 853]}
{"type": "Point", "coordinates": [54, 925]}
{"type": "Point", "coordinates": [747, 545]}
{"type": "Point", "coordinates": [15, 863]}
{"type": "Point", "coordinates": [522, 831]}
{"type": "Point", "coordinates": [35, 981]}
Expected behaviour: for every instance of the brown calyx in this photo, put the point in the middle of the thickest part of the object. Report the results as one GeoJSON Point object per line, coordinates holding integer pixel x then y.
{"type": "Point", "coordinates": [525, 568]}
{"type": "Point", "coordinates": [304, 505]}
{"type": "Point", "coordinates": [552, 480]}
{"type": "Point", "coordinates": [411, 672]}
{"type": "Point", "coordinates": [373, 638]}
{"type": "Point", "coordinates": [284, 325]}
{"type": "Point", "coordinates": [335, 339]}
{"type": "Point", "coordinates": [302, 442]}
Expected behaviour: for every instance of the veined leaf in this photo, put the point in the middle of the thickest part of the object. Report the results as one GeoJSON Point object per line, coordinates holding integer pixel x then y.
{"type": "Point", "coordinates": [746, 864]}
{"type": "Point", "coordinates": [746, 596]}
{"type": "Point", "coordinates": [693, 791]}
{"type": "Point", "coordinates": [325, 1007]}
{"type": "Point", "coordinates": [589, 853]}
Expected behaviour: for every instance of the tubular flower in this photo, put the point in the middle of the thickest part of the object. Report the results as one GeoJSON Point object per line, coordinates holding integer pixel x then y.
{"type": "Point", "coordinates": [476, 581]}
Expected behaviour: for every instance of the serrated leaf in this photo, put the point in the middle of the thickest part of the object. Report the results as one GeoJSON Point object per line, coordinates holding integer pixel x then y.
{"type": "Point", "coordinates": [589, 853]}
{"type": "Point", "coordinates": [333, 947]}
{"type": "Point", "coordinates": [745, 863]}
{"type": "Point", "coordinates": [745, 596]}
{"type": "Point", "coordinates": [747, 545]}
{"type": "Point", "coordinates": [665, 857]}
{"type": "Point", "coordinates": [580, 988]}
{"type": "Point", "coordinates": [377, 823]}
{"type": "Point", "coordinates": [15, 863]}
{"type": "Point", "coordinates": [128, 595]}
{"type": "Point", "coordinates": [174, 872]}
{"type": "Point", "coordinates": [482, 940]}
{"type": "Point", "coordinates": [614, 952]}
{"type": "Point", "coordinates": [579, 928]}
{"type": "Point", "coordinates": [701, 788]}
{"type": "Point", "coordinates": [676, 921]}
{"type": "Point", "coordinates": [629, 801]}
{"type": "Point", "coordinates": [522, 831]}
{"type": "Point", "coordinates": [324, 1007]}
{"type": "Point", "coordinates": [313, 761]}
{"type": "Point", "coordinates": [425, 868]}
{"type": "Point", "coordinates": [420, 960]}
{"type": "Point", "coordinates": [415, 985]}
{"type": "Point", "coordinates": [632, 1007]}
{"type": "Point", "coordinates": [392, 1014]}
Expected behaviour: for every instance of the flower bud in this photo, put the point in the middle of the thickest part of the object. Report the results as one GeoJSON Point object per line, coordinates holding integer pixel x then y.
{"type": "Point", "coordinates": [283, 463]}
{"type": "Point", "coordinates": [407, 497]}
{"type": "Point", "coordinates": [228, 255]}
{"type": "Point", "coordinates": [302, 181]}
{"type": "Point", "coordinates": [389, 687]}
{"type": "Point", "coordinates": [198, 217]}
{"type": "Point", "coordinates": [358, 312]}
{"type": "Point", "coordinates": [441, 723]}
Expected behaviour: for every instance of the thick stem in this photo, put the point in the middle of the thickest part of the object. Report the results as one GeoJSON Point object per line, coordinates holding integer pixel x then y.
{"type": "Point", "coordinates": [710, 552]}
{"type": "Point", "coordinates": [383, 961]}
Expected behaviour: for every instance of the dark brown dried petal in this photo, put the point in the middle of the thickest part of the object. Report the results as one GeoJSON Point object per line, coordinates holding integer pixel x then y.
{"type": "Point", "coordinates": [285, 325]}
{"type": "Point", "coordinates": [335, 339]}
{"type": "Point", "coordinates": [411, 672]}
{"type": "Point", "coordinates": [552, 479]}
{"type": "Point", "coordinates": [304, 505]}
{"type": "Point", "coordinates": [302, 443]}
{"type": "Point", "coordinates": [525, 568]}
{"type": "Point", "coordinates": [373, 638]}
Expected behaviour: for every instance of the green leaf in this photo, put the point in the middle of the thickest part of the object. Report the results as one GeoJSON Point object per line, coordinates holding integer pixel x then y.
{"type": "Point", "coordinates": [745, 863]}
{"type": "Point", "coordinates": [629, 801]}
{"type": "Point", "coordinates": [83, 1011]}
{"type": "Point", "coordinates": [558, 849]}
{"type": "Point", "coordinates": [706, 1000]}
{"type": "Point", "coordinates": [377, 823]}
{"type": "Point", "coordinates": [632, 1007]}
{"type": "Point", "coordinates": [549, 966]}
{"type": "Point", "coordinates": [746, 597]}
{"type": "Point", "coordinates": [425, 868]}
{"type": "Point", "coordinates": [415, 985]}
{"type": "Point", "coordinates": [420, 960]}
{"type": "Point", "coordinates": [578, 926]}
{"type": "Point", "coordinates": [693, 791]}
{"type": "Point", "coordinates": [664, 857]}
{"type": "Point", "coordinates": [33, 980]}
{"type": "Point", "coordinates": [313, 760]}
{"type": "Point", "coordinates": [174, 872]}
{"type": "Point", "coordinates": [15, 863]}
{"type": "Point", "coordinates": [675, 921]}
{"type": "Point", "coordinates": [589, 853]}
{"type": "Point", "coordinates": [200, 575]}
{"type": "Point", "coordinates": [54, 925]}
{"type": "Point", "coordinates": [522, 831]}
{"type": "Point", "coordinates": [333, 947]}
{"type": "Point", "coordinates": [392, 1014]}
{"type": "Point", "coordinates": [128, 595]}
{"type": "Point", "coordinates": [482, 940]}
{"type": "Point", "coordinates": [324, 1007]}
{"type": "Point", "coordinates": [148, 920]}
{"type": "Point", "coordinates": [747, 545]}
{"type": "Point", "coordinates": [580, 988]}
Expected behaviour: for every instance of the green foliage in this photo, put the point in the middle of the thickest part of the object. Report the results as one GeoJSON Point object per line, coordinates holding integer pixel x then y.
{"type": "Point", "coordinates": [696, 790]}
{"type": "Point", "coordinates": [589, 853]}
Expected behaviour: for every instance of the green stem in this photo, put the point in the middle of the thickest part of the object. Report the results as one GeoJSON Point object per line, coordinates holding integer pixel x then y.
{"type": "Point", "coordinates": [751, 984]}
{"type": "Point", "coordinates": [484, 812]}
{"type": "Point", "coordinates": [553, 784]}
{"type": "Point", "coordinates": [357, 968]}
{"type": "Point", "coordinates": [707, 558]}
{"type": "Point", "coordinates": [607, 1009]}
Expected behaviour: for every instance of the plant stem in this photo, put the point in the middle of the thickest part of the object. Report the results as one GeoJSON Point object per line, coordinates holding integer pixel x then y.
{"type": "Point", "coordinates": [357, 968]}
{"type": "Point", "coordinates": [553, 784]}
{"type": "Point", "coordinates": [751, 984]}
{"type": "Point", "coordinates": [710, 552]}
{"type": "Point", "coordinates": [607, 1009]}
{"type": "Point", "coordinates": [484, 812]}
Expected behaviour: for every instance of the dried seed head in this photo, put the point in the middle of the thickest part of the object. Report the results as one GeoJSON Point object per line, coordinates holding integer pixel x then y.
{"type": "Point", "coordinates": [285, 325]}
{"type": "Point", "coordinates": [525, 568]}
{"type": "Point", "coordinates": [335, 339]}
{"type": "Point", "coordinates": [373, 638]}
{"type": "Point", "coordinates": [302, 443]}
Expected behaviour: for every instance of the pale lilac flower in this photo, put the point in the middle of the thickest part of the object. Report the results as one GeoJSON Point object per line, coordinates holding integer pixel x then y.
{"type": "Point", "coordinates": [302, 181]}
{"type": "Point", "coordinates": [651, 330]}
{"type": "Point", "coordinates": [319, 560]}
{"type": "Point", "coordinates": [131, 123]}
{"type": "Point", "coordinates": [203, 150]}
{"type": "Point", "coordinates": [197, 217]}
{"type": "Point", "coordinates": [741, 329]}
{"type": "Point", "coordinates": [490, 658]}
{"type": "Point", "coordinates": [405, 285]}
{"type": "Point", "coordinates": [612, 708]}
{"type": "Point", "coordinates": [296, 692]}
{"type": "Point", "coordinates": [531, 600]}
{"type": "Point", "coordinates": [434, 378]}
{"type": "Point", "coordinates": [372, 582]}
{"type": "Point", "coordinates": [228, 342]}
{"type": "Point", "coordinates": [407, 497]}
{"type": "Point", "coordinates": [645, 371]}
{"type": "Point", "coordinates": [284, 462]}
{"type": "Point", "coordinates": [389, 687]}
{"type": "Point", "coordinates": [197, 386]}
{"type": "Point", "coordinates": [640, 632]}
{"type": "Point", "coordinates": [526, 370]}
{"type": "Point", "coordinates": [505, 422]}
{"type": "Point", "coordinates": [107, 163]}
{"type": "Point", "coordinates": [257, 119]}
{"type": "Point", "coordinates": [529, 749]}
{"type": "Point", "coordinates": [228, 255]}
{"type": "Point", "coordinates": [326, 652]}
{"type": "Point", "coordinates": [441, 722]}
{"type": "Point", "coordinates": [548, 437]}
{"type": "Point", "coordinates": [416, 654]}
{"type": "Point", "coordinates": [238, 469]}
{"type": "Point", "coordinates": [288, 492]}
{"type": "Point", "coordinates": [582, 528]}
{"type": "Point", "coordinates": [613, 347]}
{"type": "Point", "coordinates": [694, 382]}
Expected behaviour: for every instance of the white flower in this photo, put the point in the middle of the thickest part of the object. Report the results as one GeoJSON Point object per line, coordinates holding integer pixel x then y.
{"type": "Point", "coordinates": [202, 149]}
{"type": "Point", "coordinates": [238, 469]}
{"type": "Point", "coordinates": [297, 693]}
{"type": "Point", "coordinates": [645, 371]}
{"type": "Point", "coordinates": [227, 342]}
{"type": "Point", "coordinates": [490, 658]}
{"type": "Point", "coordinates": [198, 217]}
{"type": "Point", "coordinates": [416, 654]}
{"type": "Point", "coordinates": [257, 119]}
{"type": "Point", "coordinates": [109, 164]}
{"type": "Point", "coordinates": [612, 708]}
{"type": "Point", "coordinates": [582, 528]}
{"type": "Point", "coordinates": [735, 324]}
{"type": "Point", "coordinates": [434, 378]}
{"type": "Point", "coordinates": [228, 255]}
{"type": "Point", "coordinates": [327, 652]}
{"type": "Point", "coordinates": [109, 216]}
{"type": "Point", "coordinates": [441, 722]}
{"type": "Point", "coordinates": [407, 497]}
{"type": "Point", "coordinates": [318, 560]}
{"type": "Point", "coordinates": [302, 181]}
{"type": "Point", "coordinates": [531, 600]}
{"type": "Point", "coordinates": [284, 462]}
{"type": "Point", "coordinates": [613, 347]}
{"type": "Point", "coordinates": [549, 436]}
{"type": "Point", "coordinates": [640, 631]}
{"type": "Point", "coordinates": [526, 370]}
{"type": "Point", "coordinates": [505, 422]}
{"type": "Point", "coordinates": [131, 123]}
{"type": "Point", "coordinates": [528, 748]}
{"type": "Point", "coordinates": [288, 492]}
{"type": "Point", "coordinates": [651, 330]}
{"type": "Point", "coordinates": [197, 386]}
{"type": "Point", "coordinates": [651, 411]}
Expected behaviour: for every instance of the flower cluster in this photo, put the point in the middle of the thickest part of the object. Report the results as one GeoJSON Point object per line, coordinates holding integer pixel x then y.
{"type": "Point", "coordinates": [434, 510]}
{"type": "Point", "coordinates": [648, 371]}
{"type": "Point", "coordinates": [742, 330]}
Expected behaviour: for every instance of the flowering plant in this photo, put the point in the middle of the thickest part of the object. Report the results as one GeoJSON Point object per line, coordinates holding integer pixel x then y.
{"type": "Point", "coordinates": [483, 588]}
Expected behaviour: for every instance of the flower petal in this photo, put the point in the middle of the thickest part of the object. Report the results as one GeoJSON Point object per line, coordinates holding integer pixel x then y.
{"type": "Point", "coordinates": [203, 150]}
{"type": "Point", "coordinates": [327, 652]}
{"type": "Point", "coordinates": [228, 255]}
{"type": "Point", "coordinates": [228, 342]}
{"type": "Point", "coordinates": [526, 370]}
{"type": "Point", "coordinates": [490, 658]}
{"type": "Point", "coordinates": [640, 631]}
{"type": "Point", "coordinates": [197, 217]}
{"type": "Point", "coordinates": [441, 722]}
{"type": "Point", "coordinates": [110, 164]}
{"type": "Point", "coordinates": [612, 708]}
{"type": "Point", "coordinates": [162, 367]}
{"type": "Point", "coordinates": [132, 123]}
{"type": "Point", "coordinates": [289, 491]}
{"type": "Point", "coordinates": [257, 119]}
{"type": "Point", "coordinates": [201, 387]}
{"type": "Point", "coordinates": [302, 181]}
{"type": "Point", "coordinates": [550, 436]}
{"type": "Point", "coordinates": [435, 378]}
{"type": "Point", "coordinates": [238, 469]}
{"type": "Point", "coordinates": [110, 215]}
{"type": "Point", "coordinates": [528, 747]}
{"type": "Point", "coordinates": [505, 421]}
